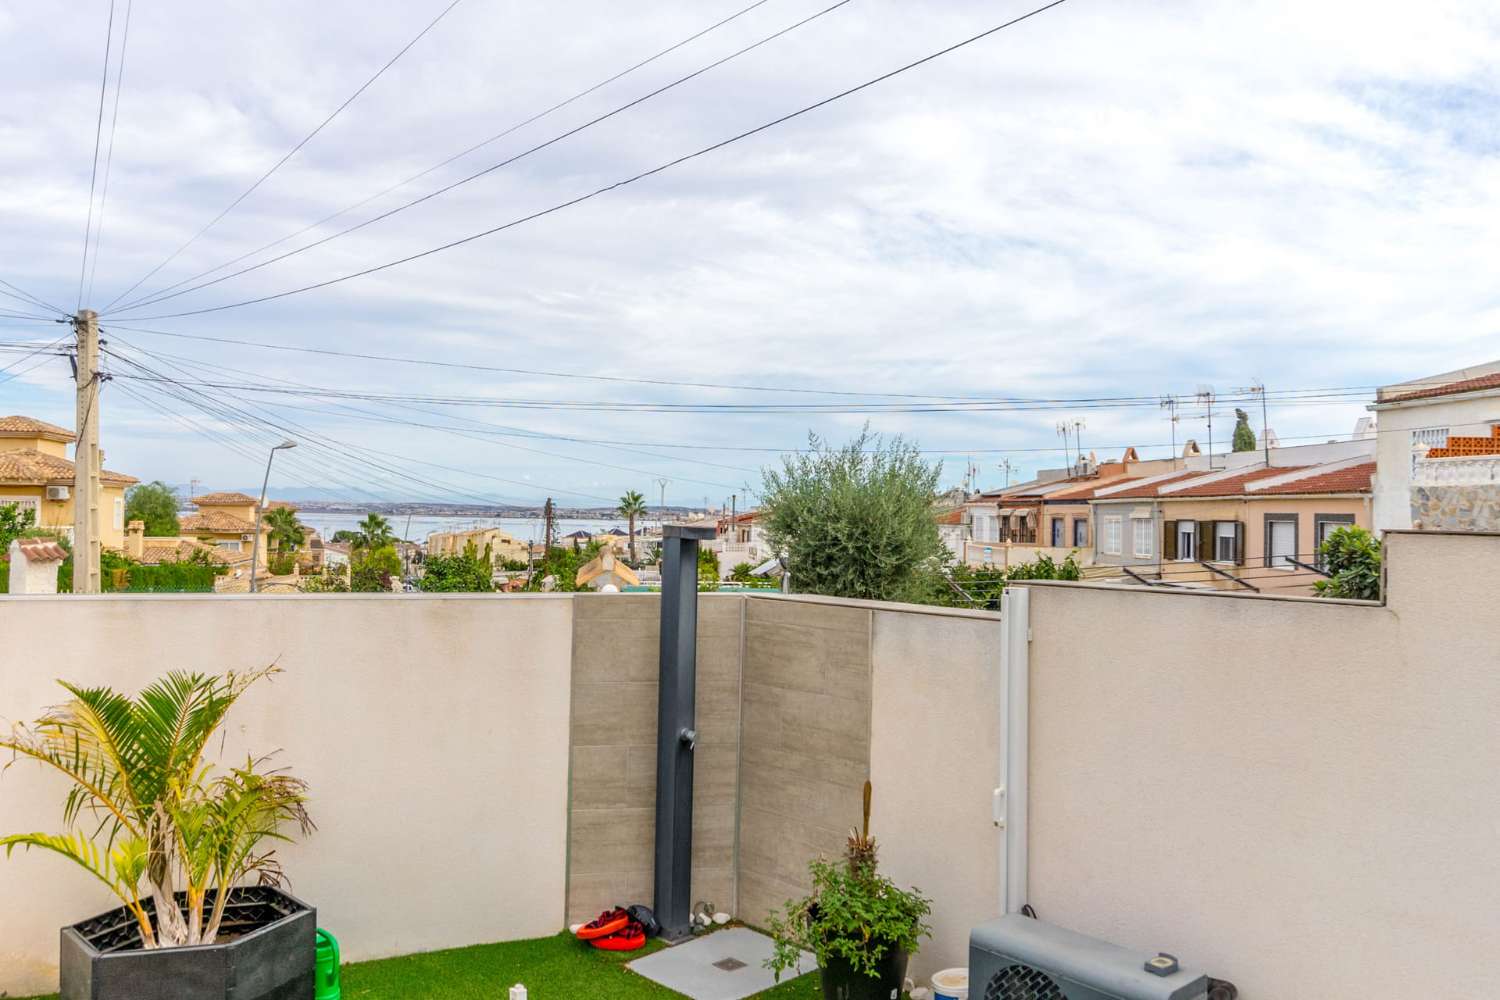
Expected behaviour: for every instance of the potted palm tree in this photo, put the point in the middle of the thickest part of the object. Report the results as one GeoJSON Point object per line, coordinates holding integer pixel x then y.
{"type": "Point", "coordinates": [861, 926]}
{"type": "Point", "coordinates": [176, 840]}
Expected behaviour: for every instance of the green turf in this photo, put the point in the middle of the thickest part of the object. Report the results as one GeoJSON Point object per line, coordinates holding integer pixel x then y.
{"type": "Point", "coordinates": [553, 968]}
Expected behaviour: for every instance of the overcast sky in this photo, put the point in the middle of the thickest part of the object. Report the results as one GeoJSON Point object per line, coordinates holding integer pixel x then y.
{"type": "Point", "coordinates": [1109, 199]}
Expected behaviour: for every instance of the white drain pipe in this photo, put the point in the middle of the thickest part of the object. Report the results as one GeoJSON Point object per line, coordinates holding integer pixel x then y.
{"type": "Point", "coordinates": [1015, 697]}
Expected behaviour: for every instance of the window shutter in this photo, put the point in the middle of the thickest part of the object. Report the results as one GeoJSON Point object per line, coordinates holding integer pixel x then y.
{"type": "Point", "coordinates": [1205, 540]}
{"type": "Point", "coordinates": [1169, 540]}
{"type": "Point", "coordinates": [1239, 543]}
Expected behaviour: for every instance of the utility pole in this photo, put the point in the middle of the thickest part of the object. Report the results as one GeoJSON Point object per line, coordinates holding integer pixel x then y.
{"type": "Point", "coordinates": [86, 455]}
{"type": "Point", "coordinates": [1078, 426]}
{"type": "Point", "coordinates": [1062, 428]}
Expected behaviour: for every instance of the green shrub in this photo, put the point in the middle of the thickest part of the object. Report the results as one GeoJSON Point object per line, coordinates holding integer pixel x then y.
{"type": "Point", "coordinates": [1351, 558]}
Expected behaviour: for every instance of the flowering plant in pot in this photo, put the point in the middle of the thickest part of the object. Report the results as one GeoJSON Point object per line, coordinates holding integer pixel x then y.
{"type": "Point", "coordinates": [176, 839]}
{"type": "Point", "coordinates": [861, 926]}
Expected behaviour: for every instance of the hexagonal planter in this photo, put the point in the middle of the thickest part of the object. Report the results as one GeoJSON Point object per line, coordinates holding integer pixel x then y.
{"type": "Point", "coordinates": [266, 951]}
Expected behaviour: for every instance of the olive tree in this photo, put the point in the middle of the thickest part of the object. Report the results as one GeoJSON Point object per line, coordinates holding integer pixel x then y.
{"type": "Point", "coordinates": [855, 521]}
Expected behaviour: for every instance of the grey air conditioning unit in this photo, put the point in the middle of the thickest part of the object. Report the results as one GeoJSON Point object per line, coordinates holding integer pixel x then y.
{"type": "Point", "coordinates": [57, 493]}
{"type": "Point", "coordinates": [1019, 958]}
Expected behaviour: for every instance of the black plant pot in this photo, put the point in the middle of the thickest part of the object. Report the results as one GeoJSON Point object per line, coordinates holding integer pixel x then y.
{"type": "Point", "coordinates": [267, 950]}
{"type": "Point", "coordinates": [842, 982]}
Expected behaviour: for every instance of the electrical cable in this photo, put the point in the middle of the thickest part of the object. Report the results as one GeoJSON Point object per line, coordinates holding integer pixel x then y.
{"type": "Point", "coordinates": [290, 153]}
{"type": "Point", "coordinates": [560, 206]}
{"type": "Point", "coordinates": [25, 296]}
{"type": "Point", "coordinates": [474, 437]}
{"type": "Point", "coordinates": [456, 156]}
{"type": "Point", "coordinates": [153, 300]}
{"type": "Point", "coordinates": [98, 130]}
{"type": "Point", "coordinates": [109, 157]}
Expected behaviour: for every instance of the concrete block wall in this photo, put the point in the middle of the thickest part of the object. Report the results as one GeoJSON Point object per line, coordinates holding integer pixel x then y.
{"type": "Point", "coordinates": [805, 743]}
{"type": "Point", "coordinates": [612, 749]}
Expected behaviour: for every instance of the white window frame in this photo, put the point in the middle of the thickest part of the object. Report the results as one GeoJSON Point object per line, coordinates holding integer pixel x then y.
{"type": "Point", "coordinates": [1142, 536]}
{"type": "Point", "coordinates": [985, 527]}
{"type": "Point", "coordinates": [1220, 538]}
{"type": "Point", "coordinates": [1187, 530]}
{"type": "Point", "coordinates": [119, 513]}
{"type": "Point", "coordinates": [228, 545]}
{"type": "Point", "coordinates": [1110, 540]}
{"type": "Point", "coordinates": [1271, 557]}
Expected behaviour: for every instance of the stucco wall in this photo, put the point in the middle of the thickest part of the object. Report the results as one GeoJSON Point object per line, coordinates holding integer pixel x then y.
{"type": "Point", "coordinates": [616, 665]}
{"type": "Point", "coordinates": [935, 756]}
{"type": "Point", "coordinates": [1294, 794]}
{"type": "Point", "coordinates": [433, 731]}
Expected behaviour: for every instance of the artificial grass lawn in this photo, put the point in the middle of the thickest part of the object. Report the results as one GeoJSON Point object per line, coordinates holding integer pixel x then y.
{"type": "Point", "coordinates": [553, 968]}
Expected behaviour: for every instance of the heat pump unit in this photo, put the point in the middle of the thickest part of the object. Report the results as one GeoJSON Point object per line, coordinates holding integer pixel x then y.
{"type": "Point", "coordinates": [1018, 958]}
{"type": "Point", "coordinates": [57, 493]}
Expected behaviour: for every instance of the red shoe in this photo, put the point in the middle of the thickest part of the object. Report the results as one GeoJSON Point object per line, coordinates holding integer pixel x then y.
{"type": "Point", "coordinates": [633, 936]}
{"type": "Point", "coordinates": [609, 922]}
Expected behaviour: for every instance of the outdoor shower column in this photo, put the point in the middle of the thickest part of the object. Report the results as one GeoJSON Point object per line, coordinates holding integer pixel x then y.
{"type": "Point", "coordinates": [676, 730]}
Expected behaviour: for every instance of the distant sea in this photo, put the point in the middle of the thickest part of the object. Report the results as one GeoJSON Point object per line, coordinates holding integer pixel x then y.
{"type": "Point", "coordinates": [527, 529]}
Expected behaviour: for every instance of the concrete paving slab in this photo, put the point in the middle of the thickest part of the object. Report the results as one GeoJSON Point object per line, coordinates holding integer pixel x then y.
{"type": "Point", "coordinates": [723, 965]}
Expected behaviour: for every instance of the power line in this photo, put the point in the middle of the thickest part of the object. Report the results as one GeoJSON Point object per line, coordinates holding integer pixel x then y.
{"type": "Point", "coordinates": [472, 436]}
{"type": "Point", "coordinates": [456, 156]}
{"type": "Point", "coordinates": [997, 405]}
{"type": "Point", "coordinates": [98, 130]}
{"type": "Point", "coordinates": [397, 359]}
{"type": "Point", "coordinates": [26, 357]}
{"type": "Point", "coordinates": [344, 447]}
{"type": "Point", "coordinates": [109, 157]}
{"type": "Point", "coordinates": [560, 206]}
{"type": "Point", "coordinates": [28, 298]}
{"type": "Point", "coordinates": [290, 153]}
{"type": "Point", "coordinates": [148, 301]}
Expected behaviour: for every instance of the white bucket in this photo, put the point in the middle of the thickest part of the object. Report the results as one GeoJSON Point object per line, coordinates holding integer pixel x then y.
{"type": "Point", "coordinates": [950, 984]}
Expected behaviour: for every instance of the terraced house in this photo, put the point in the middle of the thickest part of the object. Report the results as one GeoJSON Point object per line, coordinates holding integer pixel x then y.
{"type": "Point", "coordinates": [36, 475]}
{"type": "Point", "coordinates": [1252, 529]}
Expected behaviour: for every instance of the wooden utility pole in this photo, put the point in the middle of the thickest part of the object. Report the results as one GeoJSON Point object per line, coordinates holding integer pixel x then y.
{"type": "Point", "coordinates": [86, 456]}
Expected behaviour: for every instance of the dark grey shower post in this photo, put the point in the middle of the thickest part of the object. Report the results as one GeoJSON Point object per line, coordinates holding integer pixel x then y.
{"type": "Point", "coordinates": [676, 730]}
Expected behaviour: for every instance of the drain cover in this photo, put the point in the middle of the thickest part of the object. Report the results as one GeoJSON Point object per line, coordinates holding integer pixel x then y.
{"type": "Point", "coordinates": [729, 964]}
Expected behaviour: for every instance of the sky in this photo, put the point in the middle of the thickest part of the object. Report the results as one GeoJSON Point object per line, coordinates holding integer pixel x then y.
{"type": "Point", "coordinates": [1116, 201]}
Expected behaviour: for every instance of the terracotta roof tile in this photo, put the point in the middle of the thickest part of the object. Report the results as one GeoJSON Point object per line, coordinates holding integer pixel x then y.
{"type": "Point", "coordinates": [955, 516]}
{"type": "Point", "coordinates": [1148, 489]}
{"type": "Point", "coordinates": [36, 468]}
{"type": "Point", "coordinates": [1086, 491]}
{"type": "Point", "coordinates": [213, 520]}
{"type": "Point", "coordinates": [1491, 381]}
{"type": "Point", "coordinates": [223, 500]}
{"type": "Point", "coordinates": [1354, 479]}
{"type": "Point", "coordinates": [18, 426]}
{"type": "Point", "coordinates": [163, 550]}
{"type": "Point", "coordinates": [42, 550]}
{"type": "Point", "coordinates": [1230, 486]}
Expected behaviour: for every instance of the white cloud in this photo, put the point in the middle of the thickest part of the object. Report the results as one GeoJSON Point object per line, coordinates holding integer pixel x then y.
{"type": "Point", "coordinates": [1106, 200]}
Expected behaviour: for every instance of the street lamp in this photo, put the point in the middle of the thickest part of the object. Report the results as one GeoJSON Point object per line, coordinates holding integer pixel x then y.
{"type": "Point", "coordinates": [259, 507]}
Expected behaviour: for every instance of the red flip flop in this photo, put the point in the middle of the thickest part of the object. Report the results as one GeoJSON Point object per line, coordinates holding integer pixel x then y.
{"type": "Point", "coordinates": [609, 922]}
{"type": "Point", "coordinates": [633, 936]}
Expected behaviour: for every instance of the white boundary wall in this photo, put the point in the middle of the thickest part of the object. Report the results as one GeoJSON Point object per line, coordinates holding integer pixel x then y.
{"type": "Point", "coordinates": [433, 732]}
